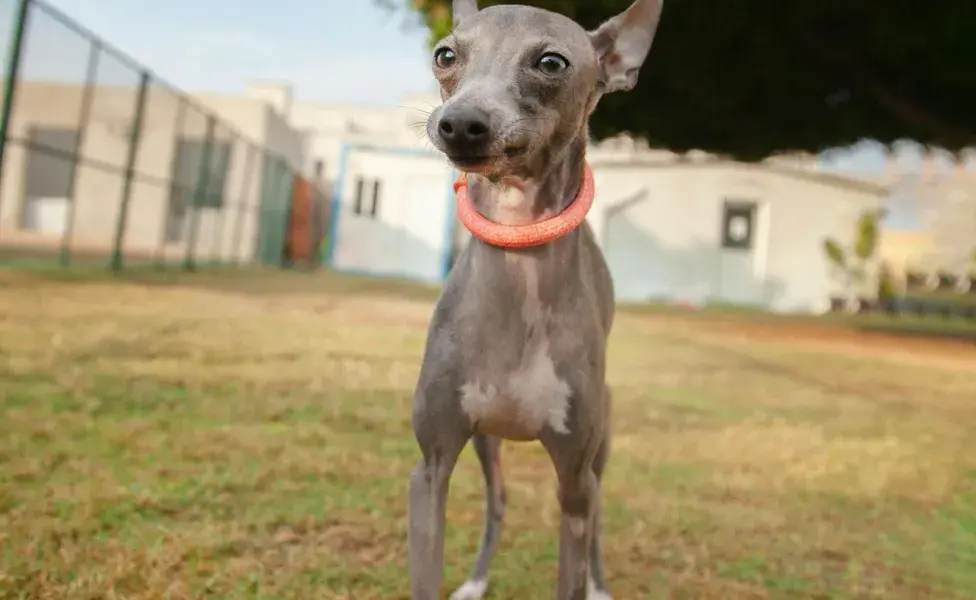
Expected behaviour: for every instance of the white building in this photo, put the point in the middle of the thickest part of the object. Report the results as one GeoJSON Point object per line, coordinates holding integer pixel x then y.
{"type": "Point", "coordinates": [709, 230]}
{"type": "Point", "coordinates": [697, 228]}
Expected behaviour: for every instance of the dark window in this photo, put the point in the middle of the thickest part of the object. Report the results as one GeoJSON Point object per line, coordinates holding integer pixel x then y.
{"type": "Point", "coordinates": [738, 224]}
{"type": "Point", "coordinates": [50, 168]}
{"type": "Point", "coordinates": [367, 197]}
{"type": "Point", "coordinates": [176, 215]}
{"type": "Point", "coordinates": [187, 171]}
{"type": "Point", "coordinates": [376, 198]}
{"type": "Point", "coordinates": [357, 206]}
{"type": "Point", "coordinates": [217, 175]}
{"type": "Point", "coordinates": [187, 189]}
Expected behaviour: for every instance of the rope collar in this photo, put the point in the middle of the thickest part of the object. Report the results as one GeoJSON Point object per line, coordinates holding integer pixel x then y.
{"type": "Point", "coordinates": [532, 234]}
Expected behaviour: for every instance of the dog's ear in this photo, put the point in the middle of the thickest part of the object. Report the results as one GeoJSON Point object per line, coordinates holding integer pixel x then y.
{"type": "Point", "coordinates": [622, 44]}
{"type": "Point", "coordinates": [462, 9]}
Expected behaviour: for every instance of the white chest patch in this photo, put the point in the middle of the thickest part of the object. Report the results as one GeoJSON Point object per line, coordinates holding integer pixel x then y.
{"type": "Point", "coordinates": [520, 404]}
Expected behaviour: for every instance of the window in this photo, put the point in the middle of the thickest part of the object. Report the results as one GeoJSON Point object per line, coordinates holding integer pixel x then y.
{"type": "Point", "coordinates": [357, 205]}
{"type": "Point", "coordinates": [187, 190]}
{"type": "Point", "coordinates": [374, 206]}
{"type": "Point", "coordinates": [175, 216]}
{"type": "Point", "coordinates": [50, 170]}
{"type": "Point", "coordinates": [738, 224]}
{"type": "Point", "coordinates": [367, 197]}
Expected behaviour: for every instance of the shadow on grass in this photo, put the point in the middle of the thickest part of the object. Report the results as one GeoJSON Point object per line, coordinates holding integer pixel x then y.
{"type": "Point", "coordinates": [278, 281]}
{"type": "Point", "coordinates": [229, 279]}
{"type": "Point", "coordinates": [921, 329]}
{"type": "Point", "coordinates": [932, 327]}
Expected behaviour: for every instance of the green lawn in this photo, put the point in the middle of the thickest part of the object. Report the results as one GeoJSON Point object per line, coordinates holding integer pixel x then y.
{"type": "Point", "coordinates": [228, 435]}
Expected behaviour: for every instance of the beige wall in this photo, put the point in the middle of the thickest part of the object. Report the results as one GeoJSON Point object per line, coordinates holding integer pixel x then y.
{"type": "Point", "coordinates": [224, 233]}
{"type": "Point", "coordinates": [255, 119]}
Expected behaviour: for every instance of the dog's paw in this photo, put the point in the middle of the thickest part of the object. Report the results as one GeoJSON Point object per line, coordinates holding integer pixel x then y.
{"type": "Point", "coordinates": [594, 594]}
{"type": "Point", "coordinates": [471, 590]}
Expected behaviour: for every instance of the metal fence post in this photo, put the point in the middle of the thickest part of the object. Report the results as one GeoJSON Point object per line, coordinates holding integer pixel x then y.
{"type": "Point", "coordinates": [95, 50]}
{"type": "Point", "coordinates": [199, 195]}
{"type": "Point", "coordinates": [288, 189]}
{"type": "Point", "coordinates": [130, 164]}
{"type": "Point", "coordinates": [274, 247]}
{"type": "Point", "coordinates": [15, 52]}
{"type": "Point", "coordinates": [173, 187]}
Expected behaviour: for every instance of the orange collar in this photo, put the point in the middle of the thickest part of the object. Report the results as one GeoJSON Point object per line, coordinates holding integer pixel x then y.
{"type": "Point", "coordinates": [524, 236]}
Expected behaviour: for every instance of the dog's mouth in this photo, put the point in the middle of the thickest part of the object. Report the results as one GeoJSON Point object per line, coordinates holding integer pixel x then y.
{"type": "Point", "coordinates": [515, 150]}
{"type": "Point", "coordinates": [468, 161]}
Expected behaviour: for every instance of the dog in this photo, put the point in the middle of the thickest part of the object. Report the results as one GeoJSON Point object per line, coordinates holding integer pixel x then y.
{"type": "Point", "coordinates": [516, 346]}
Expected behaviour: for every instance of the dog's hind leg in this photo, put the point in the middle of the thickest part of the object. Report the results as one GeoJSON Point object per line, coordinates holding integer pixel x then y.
{"type": "Point", "coordinates": [488, 450]}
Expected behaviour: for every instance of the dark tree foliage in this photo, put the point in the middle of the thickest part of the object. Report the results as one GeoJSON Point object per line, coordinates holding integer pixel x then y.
{"type": "Point", "coordinates": [751, 78]}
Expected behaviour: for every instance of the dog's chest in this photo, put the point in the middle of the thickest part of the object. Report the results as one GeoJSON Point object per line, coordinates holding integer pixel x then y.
{"type": "Point", "coordinates": [520, 404]}
{"type": "Point", "coordinates": [523, 398]}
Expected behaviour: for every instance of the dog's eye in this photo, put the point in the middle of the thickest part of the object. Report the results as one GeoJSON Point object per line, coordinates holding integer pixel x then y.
{"type": "Point", "coordinates": [444, 57]}
{"type": "Point", "coordinates": [552, 64]}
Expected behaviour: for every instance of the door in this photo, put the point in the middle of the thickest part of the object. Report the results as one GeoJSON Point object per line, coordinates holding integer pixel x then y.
{"type": "Point", "coordinates": [739, 280]}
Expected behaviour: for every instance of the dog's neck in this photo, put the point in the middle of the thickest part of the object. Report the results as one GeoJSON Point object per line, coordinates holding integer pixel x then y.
{"type": "Point", "coordinates": [524, 200]}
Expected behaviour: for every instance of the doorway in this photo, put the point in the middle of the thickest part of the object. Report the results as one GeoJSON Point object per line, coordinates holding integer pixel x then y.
{"type": "Point", "coordinates": [50, 171]}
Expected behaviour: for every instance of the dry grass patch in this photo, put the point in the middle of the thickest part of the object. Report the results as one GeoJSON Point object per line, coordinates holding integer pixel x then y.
{"type": "Point", "coordinates": [251, 439]}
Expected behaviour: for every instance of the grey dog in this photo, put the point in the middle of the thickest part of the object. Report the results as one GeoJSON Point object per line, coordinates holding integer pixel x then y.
{"type": "Point", "coordinates": [516, 347]}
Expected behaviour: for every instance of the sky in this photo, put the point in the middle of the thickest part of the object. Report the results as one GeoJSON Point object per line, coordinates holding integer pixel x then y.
{"type": "Point", "coordinates": [329, 50]}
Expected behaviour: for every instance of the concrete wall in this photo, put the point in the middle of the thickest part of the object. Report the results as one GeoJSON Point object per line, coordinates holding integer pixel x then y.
{"type": "Point", "coordinates": [233, 231]}
{"type": "Point", "coordinates": [257, 117]}
{"type": "Point", "coordinates": [661, 225]}
{"type": "Point", "coordinates": [225, 233]}
{"type": "Point", "coordinates": [410, 234]}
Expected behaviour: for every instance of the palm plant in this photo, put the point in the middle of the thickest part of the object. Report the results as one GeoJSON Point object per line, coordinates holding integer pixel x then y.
{"type": "Point", "coordinates": [851, 265]}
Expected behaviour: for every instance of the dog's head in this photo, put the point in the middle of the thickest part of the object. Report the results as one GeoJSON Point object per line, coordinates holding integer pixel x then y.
{"type": "Point", "coordinates": [519, 83]}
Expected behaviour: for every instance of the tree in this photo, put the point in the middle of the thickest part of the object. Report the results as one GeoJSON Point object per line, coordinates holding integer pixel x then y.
{"type": "Point", "coordinates": [852, 264]}
{"type": "Point", "coordinates": [753, 78]}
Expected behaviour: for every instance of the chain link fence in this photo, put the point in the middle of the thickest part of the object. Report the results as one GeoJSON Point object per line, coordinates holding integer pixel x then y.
{"type": "Point", "coordinates": [102, 163]}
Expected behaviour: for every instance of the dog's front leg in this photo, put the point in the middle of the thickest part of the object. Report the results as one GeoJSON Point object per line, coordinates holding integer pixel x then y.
{"type": "Point", "coordinates": [441, 440]}
{"type": "Point", "coordinates": [428, 503]}
{"type": "Point", "coordinates": [578, 500]}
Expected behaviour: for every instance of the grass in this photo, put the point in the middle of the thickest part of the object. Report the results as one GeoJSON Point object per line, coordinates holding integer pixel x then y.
{"type": "Point", "coordinates": [905, 325]}
{"type": "Point", "coordinates": [227, 435]}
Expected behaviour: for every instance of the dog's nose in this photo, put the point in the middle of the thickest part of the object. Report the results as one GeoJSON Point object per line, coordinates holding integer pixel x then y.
{"type": "Point", "coordinates": [463, 128]}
